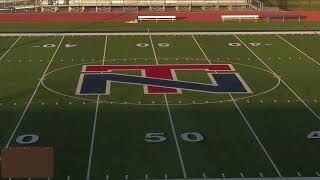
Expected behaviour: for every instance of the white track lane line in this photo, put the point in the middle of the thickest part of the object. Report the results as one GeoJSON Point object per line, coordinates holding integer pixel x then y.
{"type": "Point", "coordinates": [302, 101]}
{"type": "Point", "coordinates": [171, 121]}
{"type": "Point", "coordinates": [305, 54]}
{"type": "Point", "coordinates": [95, 118]}
{"type": "Point", "coordinates": [15, 42]}
{"type": "Point", "coordinates": [34, 93]}
{"type": "Point", "coordinates": [246, 121]}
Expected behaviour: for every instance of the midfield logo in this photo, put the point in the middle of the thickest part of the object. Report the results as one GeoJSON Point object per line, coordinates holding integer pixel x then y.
{"type": "Point", "coordinates": [160, 79]}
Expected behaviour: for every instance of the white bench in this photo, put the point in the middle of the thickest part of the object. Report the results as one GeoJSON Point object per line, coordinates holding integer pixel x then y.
{"type": "Point", "coordinates": [239, 17]}
{"type": "Point", "coordinates": [156, 18]}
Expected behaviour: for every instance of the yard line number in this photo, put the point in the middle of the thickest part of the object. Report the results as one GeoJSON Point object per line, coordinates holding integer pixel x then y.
{"type": "Point", "coordinates": [54, 45]}
{"type": "Point", "coordinates": [143, 45]}
{"type": "Point", "coordinates": [27, 139]}
{"type": "Point", "coordinates": [253, 44]}
{"type": "Point", "coordinates": [192, 137]}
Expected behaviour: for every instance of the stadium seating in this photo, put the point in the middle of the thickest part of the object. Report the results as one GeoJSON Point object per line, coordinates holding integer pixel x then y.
{"type": "Point", "coordinates": [156, 5]}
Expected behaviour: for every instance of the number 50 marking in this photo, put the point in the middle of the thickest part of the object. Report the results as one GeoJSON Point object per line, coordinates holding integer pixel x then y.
{"type": "Point", "coordinates": [193, 137]}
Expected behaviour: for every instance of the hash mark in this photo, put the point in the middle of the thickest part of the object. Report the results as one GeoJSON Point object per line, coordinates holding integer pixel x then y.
{"type": "Point", "coordinates": [241, 174]}
{"type": "Point", "coordinates": [68, 177]}
{"type": "Point", "coordinates": [260, 174]}
{"type": "Point", "coordinates": [298, 173]}
{"type": "Point", "coordinates": [126, 176]}
{"type": "Point", "coordinates": [146, 176]}
{"type": "Point", "coordinates": [107, 177]}
{"type": "Point", "coordinates": [204, 175]}
{"type": "Point", "coordinates": [317, 173]}
{"type": "Point", "coordinates": [223, 176]}
{"type": "Point", "coordinates": [165, 176]}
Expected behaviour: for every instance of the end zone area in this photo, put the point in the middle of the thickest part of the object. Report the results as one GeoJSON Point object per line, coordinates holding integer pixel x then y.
{"type": "Point", "coordinates": [130, 134]}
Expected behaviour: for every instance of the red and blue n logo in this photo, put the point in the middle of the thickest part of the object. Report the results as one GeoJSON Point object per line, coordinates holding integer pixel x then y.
{"type": "Point", "coordinates": [160, 79]}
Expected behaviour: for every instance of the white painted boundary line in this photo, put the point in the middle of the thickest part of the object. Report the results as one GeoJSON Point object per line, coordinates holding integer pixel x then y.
{"type": "Point", "coordinates": [305, 54]}
{"type": "Point", "coordinates": [10, 48]}
{"type": "Point", "coordinates": [154, 52]}
{"type": "Point", "coordinates": [158, 33]}
{"type": "Point", "coordinates": [265, 178]}
{"type": "Point", "coordinates": [95, 117]}
{"type": "Point", "coordinates": [297, 96]}
{"type": "Point", "coordinates": [246, 120]}
{"type": "Point", "coordinates": [92, 138]}
{"type": "Point", "coordinates": [204, 54]}
{"type": "Point", "coordinates": [34, 93]}
{"type": "Point", "coordinates": [104, 50]}
{"type": "Point", "coordinates": [176, 139]}
{"type": "Point", "coordinates": [256, 137]}
{"type": "Point", "coordinates": [171, 122]}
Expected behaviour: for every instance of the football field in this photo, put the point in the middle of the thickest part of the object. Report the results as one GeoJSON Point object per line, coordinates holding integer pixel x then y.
{"type": "Point", "coordinates": [139, 106]}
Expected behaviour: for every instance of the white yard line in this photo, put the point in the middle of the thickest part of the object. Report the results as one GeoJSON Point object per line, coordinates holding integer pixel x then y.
{"type": "Point", "coordinates": [15, 42]}
{"type": "Point", "coordinates": [246, 120]}
{"type": "Point", "coordinates": [305, 54]}
{"type": "Point", "coordinates": [104, 50]}
{"type": "Point", "coordinates": [171, 122]}
{"type": "Point", "coordinates": [175, 138]}
{"type": "Point", "coordinates": [297, 96]}
{"type": "Point", "coordinates": [154, 51]}
{"type": "Point", "coordinates": [92, 138]}
{"type": "Point", "coordinates": [203, 53]}
{"type": "Point", "coordinates": [34, 93]}
{"type": "Point", "coordinates": [95, 117]}
{"type": "Point", "coordinates": [256, 137]}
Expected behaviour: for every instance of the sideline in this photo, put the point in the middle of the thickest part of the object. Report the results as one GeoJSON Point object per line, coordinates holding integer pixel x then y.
{"type": "Point", "coordinates": [161, 33]}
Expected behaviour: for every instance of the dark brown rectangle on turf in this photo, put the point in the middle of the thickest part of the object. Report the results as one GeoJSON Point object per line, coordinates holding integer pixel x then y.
{"type": "Point", "coordinates": [25, 162]}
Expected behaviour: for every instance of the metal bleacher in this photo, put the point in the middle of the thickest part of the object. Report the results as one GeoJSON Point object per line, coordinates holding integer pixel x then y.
{"type": "Point", "coordinates": [154, 5]}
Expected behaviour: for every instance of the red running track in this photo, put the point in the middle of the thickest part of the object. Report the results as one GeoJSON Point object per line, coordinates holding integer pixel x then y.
{"type": "Point", "coordinates": [124, 17]}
